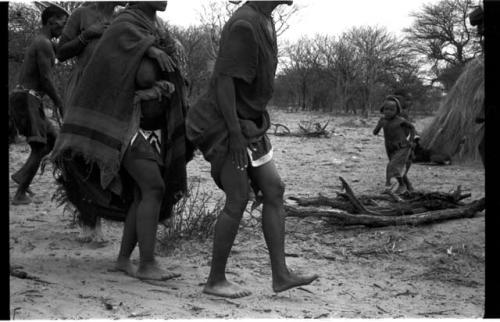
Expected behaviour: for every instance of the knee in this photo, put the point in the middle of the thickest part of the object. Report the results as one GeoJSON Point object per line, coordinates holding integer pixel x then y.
{"type": "Point", "coordinates": [275, 192]}
{"type": "Point", "coordinates": [236, 204]}
{"type": "Point", "coordinates": [154, 190]}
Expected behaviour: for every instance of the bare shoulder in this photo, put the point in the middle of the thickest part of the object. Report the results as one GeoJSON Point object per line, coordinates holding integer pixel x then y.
{"type": "Point", "coordinates": [404, 121]}
{"type": "Point", "coordinates": [42, 43]}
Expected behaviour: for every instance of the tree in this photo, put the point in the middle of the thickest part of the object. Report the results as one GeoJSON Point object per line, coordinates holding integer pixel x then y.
{"type": "Point", "coordinates": [379, 55]}
{"type": "Point", "coordinates": [442, 34]}
{"type": "Point", "coordinates": [216, 13]}
{"type": "Point", "coordinates": [196, 42]}
{"type": "Point", "coordinates": [303, 61]}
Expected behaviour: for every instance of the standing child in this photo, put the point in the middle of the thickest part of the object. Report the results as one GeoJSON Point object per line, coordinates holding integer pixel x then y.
{"type": "Point", "coordinates": [397, 144]}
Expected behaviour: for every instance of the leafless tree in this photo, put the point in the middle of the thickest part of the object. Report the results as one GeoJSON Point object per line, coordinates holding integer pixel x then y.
{"type": "Point", "coordinates": [215, 13]}
{"type": "Point", "coordinates": [442, 34]}
{"type": "Point", "coordinates": [303, 61]}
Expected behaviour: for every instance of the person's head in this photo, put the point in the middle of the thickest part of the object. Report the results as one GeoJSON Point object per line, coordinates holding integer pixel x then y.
{"type": "Point", "coordinates": [154, 5]}
{"type": "Point", "coordinates": [391, 107]}
{"type": "Point", "coordinates": [54, 18]}
{"type": "Point", "coordinates": [271, 4]}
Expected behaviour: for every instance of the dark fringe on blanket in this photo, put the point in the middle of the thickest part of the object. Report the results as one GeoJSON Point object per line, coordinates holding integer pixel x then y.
{"type": "Point", "coordinates": [78, 185]}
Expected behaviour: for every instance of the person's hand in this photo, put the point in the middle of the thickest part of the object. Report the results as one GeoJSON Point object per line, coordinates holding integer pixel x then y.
{"type": "Point", "coordinates": [58, 112]}
{"type": "Point", "coordinates": [238, 151]}
{"type": "Point", "coordinates": [95, 30]}
{"type": "Point", "coordinates": [165, 61]}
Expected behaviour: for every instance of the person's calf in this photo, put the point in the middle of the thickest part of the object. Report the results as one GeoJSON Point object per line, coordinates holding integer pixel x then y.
{"type": "Point", "coordinates": [408, 184]}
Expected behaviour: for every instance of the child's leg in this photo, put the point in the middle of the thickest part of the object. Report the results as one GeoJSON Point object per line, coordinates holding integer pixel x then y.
{"type": "Point", "coordinates": [401, 186]}
{"type": "Point", "coordinates": [406, 181]}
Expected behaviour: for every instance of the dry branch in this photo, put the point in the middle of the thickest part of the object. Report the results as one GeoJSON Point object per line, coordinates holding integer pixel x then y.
{"type": "Point", "coordinates": [345, 218]}
{"type": "Point", "coordinates": [277, 126]}
{"type": "Point", "coordinates": [307, 129]}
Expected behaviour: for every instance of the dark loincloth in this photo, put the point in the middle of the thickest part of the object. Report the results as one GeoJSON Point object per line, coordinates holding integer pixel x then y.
{"type": "Point", "coordinates": [29, 117]}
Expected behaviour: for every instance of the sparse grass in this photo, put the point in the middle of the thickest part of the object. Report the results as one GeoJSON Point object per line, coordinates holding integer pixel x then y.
{"type": "Point", "coordinates": [194, 217]}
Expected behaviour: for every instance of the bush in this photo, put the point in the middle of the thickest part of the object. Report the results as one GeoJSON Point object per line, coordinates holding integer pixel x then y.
{"type": "Point", "coordinates": [193, 217]}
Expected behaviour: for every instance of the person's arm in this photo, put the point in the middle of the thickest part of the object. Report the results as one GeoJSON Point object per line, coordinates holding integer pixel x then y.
{"type": "Point", "coordinates": [71, 47]}
{"type": "Point", "coordinates": [226, 101]}
{"type": "Point", "coordinates": [165, 61]}
{"type": "Point", "coordinates": [379, 126]}
{"type": "Point", "coordinates": [412, 130]}
{"type": "Point", "coordinates": [44, 57]}
{"type": "Point", "coordinates": [237, 59]}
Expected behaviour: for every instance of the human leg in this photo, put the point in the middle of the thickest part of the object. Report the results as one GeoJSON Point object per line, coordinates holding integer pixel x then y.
{"type": "Point", "coordinates": [147, 176]}
{"type": "Point", "coordinates": [235, 183]}
{"type": "Point", "coordinates": [129, 238]}
{"type": "Point", "coordinates": [25, 175]}
{"type": "Point", "coordinates": [406, 181]}
{"type": "Point", "coordinates": [273, 226]}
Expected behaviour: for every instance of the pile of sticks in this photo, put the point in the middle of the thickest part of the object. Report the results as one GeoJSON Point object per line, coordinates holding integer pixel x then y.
{"type": "Point", "coordinates": [306, 129]}
{"type": "Point", "coordinates": [416, 208]}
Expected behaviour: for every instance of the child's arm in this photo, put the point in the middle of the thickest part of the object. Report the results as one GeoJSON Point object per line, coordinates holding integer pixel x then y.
{"type": "Point", "coordinates": [379, 126]}
{"type": "Point", "coordinates": [413, 132]}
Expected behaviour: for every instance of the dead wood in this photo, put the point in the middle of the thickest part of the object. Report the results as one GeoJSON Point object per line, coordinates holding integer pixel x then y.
{"type": "Point", "coordinates": [392, 210]}
{"type": "Point", "coordinates": [277, 126]}
{"type": "Point", "coordinates": [321, 200]}
{"type": "Point", "coordinates": [23, 275]}
{"type": "Point", "coordinates": [316, 129]}
{"type": "Point", "coordinates": [306, 129]}
{"type": "Point", "coordinates": [352, 198]}
{"type": "Point", "coordinates": [344, 218]}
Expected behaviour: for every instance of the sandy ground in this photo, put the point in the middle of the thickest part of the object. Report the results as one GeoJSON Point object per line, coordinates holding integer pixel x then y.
{"type": "Point", "coordinates": [426, 271]}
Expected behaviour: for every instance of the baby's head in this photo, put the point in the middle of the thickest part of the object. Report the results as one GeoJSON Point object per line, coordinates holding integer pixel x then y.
{"type": "Point", "coordinates": [391, 107]}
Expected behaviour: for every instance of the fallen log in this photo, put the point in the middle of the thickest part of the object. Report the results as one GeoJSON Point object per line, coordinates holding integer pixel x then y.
{"type": "Point", "coordinates": [338, 203]}
{"type": "Point", "coordinates": [344, 218]}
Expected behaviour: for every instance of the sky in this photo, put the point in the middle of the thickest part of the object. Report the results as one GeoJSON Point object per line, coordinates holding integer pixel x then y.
{"type": "Point", "coordinates": [320, 16]}
{"type": "Point", "coordinates": [330, 17]}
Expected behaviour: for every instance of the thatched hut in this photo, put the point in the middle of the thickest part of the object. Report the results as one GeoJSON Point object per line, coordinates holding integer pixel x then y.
{"type": "Point", "coordinates": [453, 130]}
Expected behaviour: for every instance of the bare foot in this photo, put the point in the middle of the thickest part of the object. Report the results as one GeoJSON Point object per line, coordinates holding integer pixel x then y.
{"type": "Point", "coordinates": [17, 180]}
{"type": "Point", "coordinates": [84, 238]}
{"type": "Point", "coordinates": [94, 244]}
{"type": "Point", "coordinates": [92, 235]}
{"type": "Point", "coordinates": [152, 271]}
{"type": "Point", "coordinates": [225, 289]}
{"type": "Point", "coordinates": [125, 265]}
{"type": "Point", "coordinates": [21, 199]}
{"type": "Point", "coordinates": [409, 186]}
{"type": "Point", "coordinates": [401, 190]}
{"type": "Point", "coordinates": [292, 280]}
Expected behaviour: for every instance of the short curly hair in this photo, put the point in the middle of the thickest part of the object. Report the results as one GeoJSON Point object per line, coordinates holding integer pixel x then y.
{"type": "Point", "coordinates": [52, 11]}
